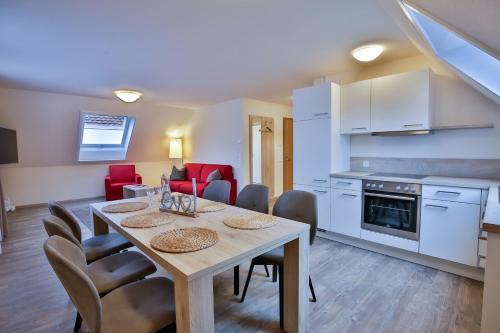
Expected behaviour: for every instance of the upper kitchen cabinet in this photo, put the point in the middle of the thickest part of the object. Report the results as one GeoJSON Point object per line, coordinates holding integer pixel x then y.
{"type": "Point", "coordinates": [401, 102]}
{"type": "Point", "coordinates": [312, 102]}
{"type": "Point", "coordinates": [355, 107]}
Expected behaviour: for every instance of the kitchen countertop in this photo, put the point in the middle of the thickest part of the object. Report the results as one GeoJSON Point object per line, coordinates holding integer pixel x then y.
{"type": "Point", "coordinates": [491, 221]}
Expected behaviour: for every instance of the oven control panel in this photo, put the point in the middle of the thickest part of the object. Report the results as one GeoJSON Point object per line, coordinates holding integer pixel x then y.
{"type": "Point", "coordinates": [395, 187]}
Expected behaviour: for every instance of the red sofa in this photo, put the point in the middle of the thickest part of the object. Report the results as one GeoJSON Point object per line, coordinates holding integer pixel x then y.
{"type": "Point", "coordinates": [120, 175]}
{"type": "Point", "coordinates": [200, 172]}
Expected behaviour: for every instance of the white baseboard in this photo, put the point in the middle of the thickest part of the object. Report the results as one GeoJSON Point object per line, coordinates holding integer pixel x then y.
{"type": "Point", "coordinates": [474, 273]}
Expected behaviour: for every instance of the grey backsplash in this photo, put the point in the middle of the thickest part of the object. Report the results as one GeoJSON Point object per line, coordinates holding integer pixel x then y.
{"type": "Point", "coordinates": [472, 168]}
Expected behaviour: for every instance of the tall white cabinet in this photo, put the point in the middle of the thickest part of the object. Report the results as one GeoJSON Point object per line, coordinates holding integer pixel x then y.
{"type": "Point", "coordinates": [318, 147]}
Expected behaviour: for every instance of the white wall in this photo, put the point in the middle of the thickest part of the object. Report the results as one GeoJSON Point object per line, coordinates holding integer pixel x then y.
{"type": "Point", "coordinates": [47, 132]}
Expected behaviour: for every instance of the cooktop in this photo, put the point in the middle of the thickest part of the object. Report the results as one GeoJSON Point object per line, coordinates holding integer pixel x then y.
{"type": "Point", "coordinates": [397, 175]}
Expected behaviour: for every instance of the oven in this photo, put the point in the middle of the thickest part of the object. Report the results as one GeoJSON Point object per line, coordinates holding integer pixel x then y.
{"type": "Point", "coordinates": [392, 208]}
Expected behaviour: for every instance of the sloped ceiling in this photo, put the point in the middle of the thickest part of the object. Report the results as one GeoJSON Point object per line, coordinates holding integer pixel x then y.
{"type": "Point", "coordinates": [187, 52]}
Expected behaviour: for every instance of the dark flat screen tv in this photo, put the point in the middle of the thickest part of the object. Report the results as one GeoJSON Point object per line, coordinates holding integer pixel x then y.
{"type": "Point", "coordinates": [8, 146]}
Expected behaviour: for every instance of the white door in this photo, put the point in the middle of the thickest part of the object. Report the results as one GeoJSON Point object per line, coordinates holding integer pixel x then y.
{"type": "Point", "coordinates": [449, 230]}
{"type": "Point", "coordinates": [312, 102]}
{"type": "Point", "coordinates": [346, 212]}
{"type": "Point", "coordinates": [355, 107]}
{"type": "Point", "coordinates": [401, 102]}
{"type": "Point", "coordinates": [311, 152]}
{"type": "Point", "coordinates": [323, 203]}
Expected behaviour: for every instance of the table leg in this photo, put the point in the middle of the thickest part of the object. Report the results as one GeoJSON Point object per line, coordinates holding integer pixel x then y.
{"type": "Point", "coordinates": [296, 278]}
{"type": "Point", "coordinates": [194, 305]}
{"type": "Point", "coordinates": [100, 227]}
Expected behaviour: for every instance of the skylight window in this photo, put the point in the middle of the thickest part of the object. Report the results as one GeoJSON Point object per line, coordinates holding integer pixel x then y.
{"type": "Point", "coordinates": [465, 57]}
{"type": "Point", "coordinates": [104, 137]}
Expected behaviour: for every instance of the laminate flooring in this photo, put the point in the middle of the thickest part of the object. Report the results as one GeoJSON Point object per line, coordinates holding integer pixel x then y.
{"type": "Point", "coordinates": [358, 291]}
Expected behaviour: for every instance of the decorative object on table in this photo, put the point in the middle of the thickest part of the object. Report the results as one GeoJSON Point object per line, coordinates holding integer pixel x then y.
{"type": "Point", "coordinates": [200, 172]}
{"type": "Point", "coordinates": [251, 221]}
{"type": "Point", "coordinates": [125, 207]}
{"type": "Point", "coordinates": [178, 174]}
{"type": "Point", "coordinates": [120, 175]}
{"type": "Point", "coordinates": [180, 204]}
{"type": "Point", "coordinates": [147, 220]}
{"type": "Point", "coordinates": [210, 206]}
{"type": "Point", "coordinates": [184, 240]}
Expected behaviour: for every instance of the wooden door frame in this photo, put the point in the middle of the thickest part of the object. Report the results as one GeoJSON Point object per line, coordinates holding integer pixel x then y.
{"type": "Point", "coordinates": [287, 119]}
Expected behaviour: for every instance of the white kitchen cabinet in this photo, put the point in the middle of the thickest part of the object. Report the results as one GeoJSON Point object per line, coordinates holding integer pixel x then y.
{"type": "Point", "coordinates": [401, 102]}
{"type": "Point", "coordinates": [355, 103]}
{"type": "Point", "coordinates": [311, 152]}
{"type": "Point", "coordinates": [313, 102]}
{"type": "Point", "coordinates": [346, 212]}
{"type": "Point", "coordinates": [323, 203]}
{"type": "Point", "coordinates": [449, 230]}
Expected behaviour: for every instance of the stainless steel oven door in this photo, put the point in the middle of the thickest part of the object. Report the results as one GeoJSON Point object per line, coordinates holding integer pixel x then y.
{"type": "Point", "coordinates": [393, 214]}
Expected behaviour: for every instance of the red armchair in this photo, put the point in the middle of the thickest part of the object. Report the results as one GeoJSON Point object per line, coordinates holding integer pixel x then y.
{"type": "Point", "coordinates": [200, 172]}
{"type": "Point", "coordinates": [120, 175]}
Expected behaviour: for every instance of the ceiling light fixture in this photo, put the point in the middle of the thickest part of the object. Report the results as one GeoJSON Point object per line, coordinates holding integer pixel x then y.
{"type": "Point", "coordinates": [367, 52]}
{"type": "Point", "coordinates": [128, 96]}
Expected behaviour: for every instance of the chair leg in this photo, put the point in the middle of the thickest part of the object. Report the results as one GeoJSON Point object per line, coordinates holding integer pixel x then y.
{"type": "Point", "coordinates": [78, 322]}
{"type": "Point", "coordinates": [281, 270]}
{"type": "Point", "coordinates": [275, 273]}
{"type": "Point", "coordinates": [312, 290]}
{"type": "Point", "coordinates": [247, 282]}
{"type": "Point", "coordinates": [267, 271]}
{"type": "Point", "coordinates": [236, 280]}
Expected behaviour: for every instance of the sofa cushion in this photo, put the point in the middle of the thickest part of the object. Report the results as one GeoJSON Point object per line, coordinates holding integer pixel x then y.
{"type": "Point", "coordinates": [214, 175]}
{"type": "Point", "coordinates": [175, 185]}
{"type": "Point", "coordinates": [187, 188]}
{"type": "Point", "coordinates": [178, 174]}
{"type": "Point", "coordinates": [226, 171]}
{"type": "Point", "coordinates": [122, 173]}
{"type": "Point", "coordinates": [193, 170]}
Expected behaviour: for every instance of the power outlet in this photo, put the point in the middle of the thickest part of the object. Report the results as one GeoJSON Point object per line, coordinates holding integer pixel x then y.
{"type": "Point", "coordinates": [366, 164]}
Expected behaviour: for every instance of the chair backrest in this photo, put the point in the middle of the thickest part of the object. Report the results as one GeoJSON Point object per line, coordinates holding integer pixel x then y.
{"type": "Point", "coordinates": [217, 190]}
{"type": "Point", "coordinates": [299, 206]}
{"type": "Point", "coordinates": [54, 226]}
{"type": "Point", "coordinates": [254, 197]}
{"type": "Point", "coordinates": [61, 212]}
{"type": "Point", "coordinates": [122, 173]}
{"type": "Point", "coordinates": [68, 262]}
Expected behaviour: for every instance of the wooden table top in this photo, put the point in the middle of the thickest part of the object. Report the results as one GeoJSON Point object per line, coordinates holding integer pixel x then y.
{"type": "Point", "coordinates": [233, 246]}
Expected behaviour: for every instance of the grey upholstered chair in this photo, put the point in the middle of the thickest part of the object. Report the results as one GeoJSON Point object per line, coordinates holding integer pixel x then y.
{"type": "Point", "coordinates": [107, 273]}
{"type": "Point", "coordinates": [217, 190]}
{"type": "Point", "coordinates": [95, 247]}
{"type": "Point", "coordinates": [138, 307]}
{"type": "Point", "coordinates": [252, 197]}
{"type": "Point", "coordinates": [294, 205]}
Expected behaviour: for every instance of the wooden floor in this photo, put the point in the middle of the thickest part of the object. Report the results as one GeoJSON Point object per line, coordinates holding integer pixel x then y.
{"type": "Point", "coordinates": [358, 291]}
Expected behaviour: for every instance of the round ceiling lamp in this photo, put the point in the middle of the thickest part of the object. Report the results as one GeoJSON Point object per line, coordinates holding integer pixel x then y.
{"type": "Point", "coordinates": [128, 96]}
{"type": "Point", "coordinates": [367, 52]}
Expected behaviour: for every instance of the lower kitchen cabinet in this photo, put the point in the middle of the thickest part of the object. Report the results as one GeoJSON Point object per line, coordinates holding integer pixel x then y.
{"type": "Point", "coordinates": [346, 212]}
{"type": "Point", "coordinates": [323, 202]}
{"type": "Point", "coordinates": [449, 230]}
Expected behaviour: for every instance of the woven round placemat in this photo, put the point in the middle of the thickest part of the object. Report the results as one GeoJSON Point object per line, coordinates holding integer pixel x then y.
{"type": "Point", "coordinates": [125, 207]}
{"type": "Point", "coordinates": [148, 220]}
{"type": "Point", "coordinates": [251, 222]}
{"type": "Point", "coordinates": [184, 240]}
{"type": "Point", "coordinates": [210, 206]}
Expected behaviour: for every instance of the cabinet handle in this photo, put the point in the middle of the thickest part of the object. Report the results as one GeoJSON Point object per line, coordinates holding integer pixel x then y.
{"type": "Point", "coordinates": [448, 192]}
{"type": "Point", "coordinates": [358, 128]}
{"type": "Point", "coordinates": [345, 183]}
{"type": "Point", "coordinates": [348, 195]}
{"type": "Point", "coordinates": [320, 114]}
{"type": "Point", "coordinates": [413, 125]}
{"type": "Point", "coordinates": [319, 191]}
{"type": "Point", "coordinates": [320, 180]}
{"type": "Point", "coordinates": [437, 206]}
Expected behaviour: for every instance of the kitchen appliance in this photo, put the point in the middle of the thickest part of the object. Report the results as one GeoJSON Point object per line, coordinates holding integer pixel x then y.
{"type": "Point", "coordinates": [392, 208]}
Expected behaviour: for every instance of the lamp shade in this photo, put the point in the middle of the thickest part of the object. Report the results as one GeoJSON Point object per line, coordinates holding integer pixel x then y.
{"type": "Point", "coordinates": [175, 148]}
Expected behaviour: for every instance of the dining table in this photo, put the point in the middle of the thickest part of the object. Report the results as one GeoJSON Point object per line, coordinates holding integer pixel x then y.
{"type": "Point", "coordinates": [193, 272]}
